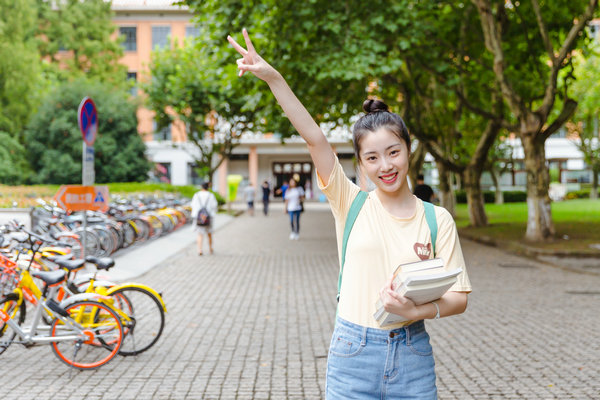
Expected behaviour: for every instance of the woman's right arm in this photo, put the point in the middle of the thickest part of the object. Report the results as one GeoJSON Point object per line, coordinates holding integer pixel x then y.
{"type": "Point", "coordinates": [320, 150]}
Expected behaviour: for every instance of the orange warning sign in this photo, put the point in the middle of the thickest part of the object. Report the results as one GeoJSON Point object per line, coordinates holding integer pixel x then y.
{"type": "Point", "coordinates": [79, 198]}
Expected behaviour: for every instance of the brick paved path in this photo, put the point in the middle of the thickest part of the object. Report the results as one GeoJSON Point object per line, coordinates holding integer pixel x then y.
{"type": "Point", "coordinates": [254, 320]}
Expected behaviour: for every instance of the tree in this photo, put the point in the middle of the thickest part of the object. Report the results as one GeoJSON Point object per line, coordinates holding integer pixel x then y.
{"type": "Point", "coordinates": [585, 120]}
{"type": "Point", "coordinates": [76, 36]}
{"type": "Point", "coordinates": [499, 162]}
{"type": "Point", "coordinates": [191, 86]}
{"type": "Point", "coordinates": [54, 143]}
{"type": "Point", "coordinates": [336, 54]}
{"type": "Point", "coordinates": [527, 72]}
{"type": "Point", "coordinates": [13, 165]}
{"type": "Point", "coordinates": [19, 65]}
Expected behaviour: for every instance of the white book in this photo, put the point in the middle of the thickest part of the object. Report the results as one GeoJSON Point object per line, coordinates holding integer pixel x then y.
{"type": "Point", "coordinates": [420, 283]}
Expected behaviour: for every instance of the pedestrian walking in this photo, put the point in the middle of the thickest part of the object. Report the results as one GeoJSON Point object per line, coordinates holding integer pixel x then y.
{"type": "Point", "coordinates": [294, 196]}
{"type": "Point", "coordinates": [423, 190]}
{"type": "Point", "coordinates": [249, 194]}
{"type": "Point", "coordinates": [266, 196]}
{"type": "Point", "coordinates": [282, 189]}
{"type": "Point", "coordinates": [365, 361]}
{"type": "Point", "coordinates": [204, 210]}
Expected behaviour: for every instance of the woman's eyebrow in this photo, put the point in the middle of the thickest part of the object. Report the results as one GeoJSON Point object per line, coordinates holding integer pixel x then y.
{"type": "Point", "coordinates": [387, 148]}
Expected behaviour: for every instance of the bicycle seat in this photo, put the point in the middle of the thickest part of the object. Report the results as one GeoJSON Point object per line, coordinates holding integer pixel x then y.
{"type": "Point", "coordinates": [101, 263]}
{"type": "Point", "coordinates": [71, 265]}
{"type": "Point", "coordinates": [50, 277]}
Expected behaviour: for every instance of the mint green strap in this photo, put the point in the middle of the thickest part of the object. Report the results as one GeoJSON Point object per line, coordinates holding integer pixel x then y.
{"type": "Point", "coordinates": [357, 204]}
{"type": "Point", "coordinates": [432, 222]}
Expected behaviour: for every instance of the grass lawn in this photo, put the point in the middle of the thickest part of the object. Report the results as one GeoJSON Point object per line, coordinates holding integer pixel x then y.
{"type": "Point", "coordinates": [577, 224]}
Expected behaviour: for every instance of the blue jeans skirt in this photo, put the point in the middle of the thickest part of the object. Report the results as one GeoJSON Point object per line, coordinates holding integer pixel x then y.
{"type": "Point", "coordinates": [369, 363]}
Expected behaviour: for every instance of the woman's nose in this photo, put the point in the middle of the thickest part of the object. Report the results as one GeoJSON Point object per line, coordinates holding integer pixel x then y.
{"type": "Point", "coordinates": [385, 164]}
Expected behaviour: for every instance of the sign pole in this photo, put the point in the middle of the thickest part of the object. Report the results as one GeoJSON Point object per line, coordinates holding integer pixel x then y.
{"type": "Point", "coordinates": [87, 118]}
{"type": "Point", "coordinates": [83, 181]}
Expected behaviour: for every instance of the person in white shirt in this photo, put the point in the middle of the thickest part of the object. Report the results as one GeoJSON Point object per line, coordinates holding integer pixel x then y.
{"type": "Point", "coordinates": [249, 194]}
{"type": "Point", "coordinates": [294, 196]}
{"type": "Point", "coordinates": [204, 199]}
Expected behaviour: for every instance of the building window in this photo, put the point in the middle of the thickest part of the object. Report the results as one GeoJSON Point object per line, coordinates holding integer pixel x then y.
{"type": "Point", "coordinates": [193, 177]}
{"type": "Point", "coordinates": [132, 80]}
{"type": "Point", "coordinates": [284, 171]}
{"type": "Point", "coordinates": [130, 38]}
{"type": "Point", "coordinates": [192, 31]}
{"type": "Point", "coordinates": [160, 36]}
{"type": "Point", "coordinates": [161, 173]}
{"type": "Point", "coordinates": [162, 134]}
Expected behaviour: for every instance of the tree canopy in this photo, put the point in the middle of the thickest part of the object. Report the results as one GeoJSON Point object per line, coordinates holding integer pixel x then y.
{"type": "Point", "coordinates": [77, 38]}
{"type": "Point", "coordinates": [190, 85]}
{"type": "Point", "coordinates": [54, 143]}
{"type": "Point", "coordinates": [20, 69]}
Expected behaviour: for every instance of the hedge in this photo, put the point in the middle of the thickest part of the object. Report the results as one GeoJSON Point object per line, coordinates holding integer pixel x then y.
{"type": "Point", "coordinates": [580, 194]}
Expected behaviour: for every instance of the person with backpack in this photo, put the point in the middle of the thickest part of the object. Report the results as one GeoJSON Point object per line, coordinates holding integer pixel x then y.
{"type": "Point", "coordinates": [390, 228]}
{"type": "Point", "coordinates": [204, 210]}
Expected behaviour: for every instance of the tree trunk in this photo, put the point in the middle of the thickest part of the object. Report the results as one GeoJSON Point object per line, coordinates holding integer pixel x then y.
{"type": "Point", "coordinates": [594, 192]}
{"type": "Point", "coordinates": [539, 214]}
{"type": "Point", "coordinates": [472, 185]}
{"type": "Point", "coordinates": [447, 199]}
{"type": "Point", "coordinates": [416, 160]}
{"type": "Point", "coordinates": [499, 195]}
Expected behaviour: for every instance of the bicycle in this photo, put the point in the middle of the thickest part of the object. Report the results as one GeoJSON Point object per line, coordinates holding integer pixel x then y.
{"type": "Point", "coordinates": [84, 333]}
{"type": "Point", "coordinates": [140, 308]}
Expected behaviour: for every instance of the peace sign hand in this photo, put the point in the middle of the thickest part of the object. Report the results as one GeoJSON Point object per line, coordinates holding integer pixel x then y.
{"type": "Point", "coordinates": [251, 61]}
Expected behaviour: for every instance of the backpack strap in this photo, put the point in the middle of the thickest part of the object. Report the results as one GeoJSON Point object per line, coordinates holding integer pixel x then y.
{"type": "Point", "coordinates": [432, 222]}
{"type": "Point", "coordinates": [357, 204]}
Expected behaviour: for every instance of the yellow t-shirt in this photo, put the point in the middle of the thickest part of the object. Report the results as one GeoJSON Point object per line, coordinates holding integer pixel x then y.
{"type": "Point", "coordinates": [379, 242]}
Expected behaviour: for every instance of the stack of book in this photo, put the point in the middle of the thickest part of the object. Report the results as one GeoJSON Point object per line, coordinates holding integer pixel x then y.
{"type": "Point", "coordinates": [422, 282]}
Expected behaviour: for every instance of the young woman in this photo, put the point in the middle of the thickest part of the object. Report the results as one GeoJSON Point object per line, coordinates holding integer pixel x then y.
{"type": "Point", "coordinates": [365, 361]}
{"type": "Point", "coordinates": [293, 198]}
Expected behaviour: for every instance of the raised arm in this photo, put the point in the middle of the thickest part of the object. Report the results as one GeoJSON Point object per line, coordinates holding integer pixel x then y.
{"type": "Point", "coordinates": [318, 146]}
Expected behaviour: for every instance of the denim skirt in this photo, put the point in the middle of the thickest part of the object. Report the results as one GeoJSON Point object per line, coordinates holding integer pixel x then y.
{"type": "Point", "coordinates": [368, 363]}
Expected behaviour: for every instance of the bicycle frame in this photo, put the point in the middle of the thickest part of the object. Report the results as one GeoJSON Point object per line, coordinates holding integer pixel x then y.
{"type": "Point", "coordinates": [29, 335]}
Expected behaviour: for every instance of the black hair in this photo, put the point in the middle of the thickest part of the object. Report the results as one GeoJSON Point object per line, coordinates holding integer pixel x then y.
{"type": "Point", "coordinates": [378, 116]}
{"type": "Point", "coordinates": [420, 177]}
{"type": "Point", "coordinates": [205, 185]}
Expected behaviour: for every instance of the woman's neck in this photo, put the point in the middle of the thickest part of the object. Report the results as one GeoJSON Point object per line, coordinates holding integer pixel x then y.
{"type": "Point", "coordinates": [401, 204]}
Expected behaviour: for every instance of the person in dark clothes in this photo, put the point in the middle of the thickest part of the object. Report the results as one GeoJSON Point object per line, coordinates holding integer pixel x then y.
{"type": "Point", "coordinates": [266, 192]}
{"type": "Point", "coordinates": [423, 191]}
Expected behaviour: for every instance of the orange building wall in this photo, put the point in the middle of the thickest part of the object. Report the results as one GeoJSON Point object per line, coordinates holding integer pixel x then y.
{"type": "Point", "coordinates": [138, 61]}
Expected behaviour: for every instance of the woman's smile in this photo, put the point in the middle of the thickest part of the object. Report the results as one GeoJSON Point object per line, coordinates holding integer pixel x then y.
{"type": "Point", "coordinates": [389, 179]}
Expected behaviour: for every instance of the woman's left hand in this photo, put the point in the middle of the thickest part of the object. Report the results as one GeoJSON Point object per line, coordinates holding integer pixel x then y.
{"type": "Point", "coordinates": [395, 303]}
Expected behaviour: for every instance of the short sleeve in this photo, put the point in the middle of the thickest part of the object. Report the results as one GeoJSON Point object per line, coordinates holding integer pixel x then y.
{"type": "Point", "coordinates": [340, 191]}
{"type": "Point", "coordinates": [448, 248]}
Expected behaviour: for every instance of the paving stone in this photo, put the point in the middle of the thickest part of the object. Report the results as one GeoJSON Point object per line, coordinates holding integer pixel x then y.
{"type": "Point", "coordinates": [254, 321]}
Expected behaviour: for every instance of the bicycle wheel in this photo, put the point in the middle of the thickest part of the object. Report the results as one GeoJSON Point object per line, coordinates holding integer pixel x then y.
{"type": "Point", "coordinates": [101, 339]}
{"type": "Point", "coordinates": [145, 322]}
{"type": "Point", "coordinates": [10, 305]}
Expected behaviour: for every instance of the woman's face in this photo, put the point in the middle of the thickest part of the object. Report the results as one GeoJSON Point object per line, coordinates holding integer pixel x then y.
{"type": "Point", "coordinates": [384, 159]}
{"type": "Point", "coordinates": [293, 183]}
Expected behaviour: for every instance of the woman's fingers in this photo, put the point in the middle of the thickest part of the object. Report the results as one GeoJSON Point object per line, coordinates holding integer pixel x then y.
{"type": "Point", "coordinates": [236, 46]}
{"type": "Point", "coordinates": [246, 67]}
{"type": "Point", "coordinates": [248, 41]}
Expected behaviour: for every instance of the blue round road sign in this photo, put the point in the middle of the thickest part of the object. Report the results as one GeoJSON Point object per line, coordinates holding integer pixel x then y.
{"type": "Point", "coordinates": [87, 117]}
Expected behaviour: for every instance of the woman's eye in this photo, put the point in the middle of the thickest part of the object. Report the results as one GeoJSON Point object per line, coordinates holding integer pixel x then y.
{"type": "Point", "coordinates": [394, 152]}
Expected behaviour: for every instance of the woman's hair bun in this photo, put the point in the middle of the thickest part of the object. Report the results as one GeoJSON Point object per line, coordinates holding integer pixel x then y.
{"type": "Point", "coordinates": [373, 106]}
